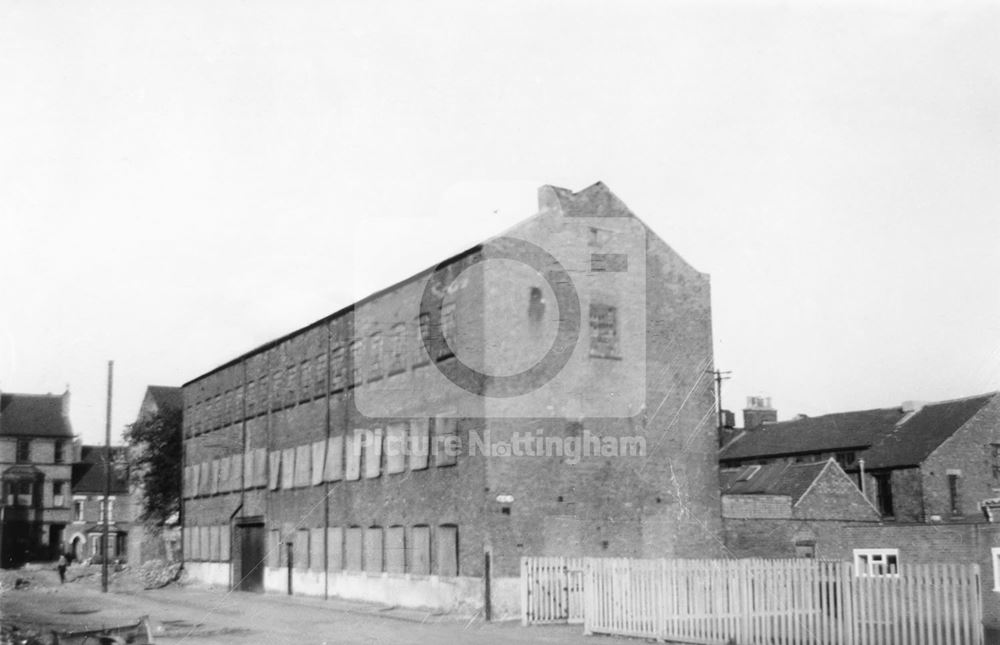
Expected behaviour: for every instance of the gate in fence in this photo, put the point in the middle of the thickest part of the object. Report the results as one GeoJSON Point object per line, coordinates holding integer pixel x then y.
{"type": "Point", "coordinates": [552, 590]}
{"type": "Point", "coordinates": [800, 602]}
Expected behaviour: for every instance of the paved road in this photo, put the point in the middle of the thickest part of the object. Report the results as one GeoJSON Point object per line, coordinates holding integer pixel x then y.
{"type": "Point", "coordinates": [202, 616]}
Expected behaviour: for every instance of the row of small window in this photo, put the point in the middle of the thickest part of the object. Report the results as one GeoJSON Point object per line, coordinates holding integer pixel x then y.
{"type": "Point", "coordinates": [373, 360]}
{"type": "Point", "coordinates": [22, 493]}
{"type": "Point", "coordinates": [417, 444]}
{"type": "Point", "coordinates": [23, 452]}
{"type": "Point", "coordinates": [80, 505]}
{"type": "Point", "coordinates": [397, 549]}
{"type": "Point", "coordinates": [363, 360]}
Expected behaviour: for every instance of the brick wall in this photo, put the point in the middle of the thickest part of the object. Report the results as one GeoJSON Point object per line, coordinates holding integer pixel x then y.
{"type": "Point", "coordinates": [834, 496]}
{"type": "Point", "coordinates": [296, 392]}
{"type": "Point", "coordinates": [836, 540]}
{"type": "Point", "coordinates": [969, 454]}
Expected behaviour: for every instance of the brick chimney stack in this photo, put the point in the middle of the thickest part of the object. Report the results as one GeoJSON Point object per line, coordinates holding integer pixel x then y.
{"type": "Point", "coordinates": [758, 412]}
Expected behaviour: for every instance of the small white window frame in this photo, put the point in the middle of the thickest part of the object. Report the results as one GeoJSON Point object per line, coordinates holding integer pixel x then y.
{"type": "Point", "coordinates": [864, 559]}
{"type": "Point", "coordinates": [995, 552]}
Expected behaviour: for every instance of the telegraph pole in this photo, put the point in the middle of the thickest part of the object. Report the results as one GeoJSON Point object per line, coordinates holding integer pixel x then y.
{"type": "Point", "coordinates": [719, 376]}
{"type": "Point", "coordinates": [107, 481]}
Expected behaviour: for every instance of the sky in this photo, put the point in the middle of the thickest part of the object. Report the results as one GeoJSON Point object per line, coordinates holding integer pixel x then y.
{"type": "Point", "coordinates": [180, 182]}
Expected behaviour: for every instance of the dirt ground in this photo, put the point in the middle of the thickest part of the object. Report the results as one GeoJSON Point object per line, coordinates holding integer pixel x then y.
{"type": "Point", "coordinates": [197, 615]}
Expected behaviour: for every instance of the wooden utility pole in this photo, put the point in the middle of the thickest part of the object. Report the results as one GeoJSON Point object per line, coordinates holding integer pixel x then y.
{"type": "Point", "coordinates": [107, 481]}
{"type": "Point", "coordinates": [719, 378]}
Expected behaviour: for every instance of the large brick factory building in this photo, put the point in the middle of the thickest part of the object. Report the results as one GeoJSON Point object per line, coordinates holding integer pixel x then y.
{"type": "Point", "coordinates": [546, 392]}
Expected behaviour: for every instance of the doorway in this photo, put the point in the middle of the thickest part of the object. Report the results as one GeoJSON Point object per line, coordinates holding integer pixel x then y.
{"type": "Point", "coordinates": [250, 576]}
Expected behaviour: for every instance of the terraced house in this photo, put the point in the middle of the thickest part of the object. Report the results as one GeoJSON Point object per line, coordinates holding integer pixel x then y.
{"type": "Point", "coordinates": [542, 393]}
{"type": "Point", "coordinates": [36, 453]}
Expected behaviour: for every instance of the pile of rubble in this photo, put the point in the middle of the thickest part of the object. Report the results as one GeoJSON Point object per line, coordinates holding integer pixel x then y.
{"type": "Point", "coordinates": [155, 574]}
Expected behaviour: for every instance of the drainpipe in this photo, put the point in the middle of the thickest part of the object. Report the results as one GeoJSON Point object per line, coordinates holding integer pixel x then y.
{"type": "Point", "coordinates": [861, 464]}
{"type": "Point", "coordinates": [288, 546]}
{"type": "Point", "coordinates": [232, 568]}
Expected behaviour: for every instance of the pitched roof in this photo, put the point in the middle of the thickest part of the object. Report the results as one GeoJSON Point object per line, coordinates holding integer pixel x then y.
{"type": "Point", "coordinates": [780, 478]}
{"type": "Point", "coordinates": [89, 472]}
{"type": "Point", "coordinates": [36, 415]}
{"type": "Point", "coordinates": [918, 436]}
{"type": "Point", "coordinates": [830, 432]}
{"type": "Point", "coordinates": [167, 397]}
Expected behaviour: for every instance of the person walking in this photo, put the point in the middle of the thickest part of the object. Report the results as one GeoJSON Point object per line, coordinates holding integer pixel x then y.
{"type": "Point", "coordinates": [61, 566]}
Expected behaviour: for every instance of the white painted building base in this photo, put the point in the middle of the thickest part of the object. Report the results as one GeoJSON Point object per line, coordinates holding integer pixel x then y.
{"type": "Point", "coordinates": [215, 574]}
{"type": "Point", "coordinates": [462, 595]}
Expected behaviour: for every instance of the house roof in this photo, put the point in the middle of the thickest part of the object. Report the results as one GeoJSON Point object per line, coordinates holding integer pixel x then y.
{"type": "Point", "coordinates": [89, 473]}
{"type": "Point", "coordinates": [780, 478]}
{"type": "Point", "coordinates": [166, 397]}
{"type": "Point", "coordinates": [830, 432]}
{"type": "Point", "coordinates": [919, 435]}
{"type": "Point", "coordinates": [33, 415]}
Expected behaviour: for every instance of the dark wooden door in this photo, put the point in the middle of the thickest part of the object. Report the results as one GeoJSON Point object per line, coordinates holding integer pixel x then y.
{"type": "Point", "coordinates": [251, 558]}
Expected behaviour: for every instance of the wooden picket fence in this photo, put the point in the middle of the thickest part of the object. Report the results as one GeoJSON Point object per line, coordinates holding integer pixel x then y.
{"type": "Point", "coordinates": [750, 602]}
{"type": "Point", "coordinates": [552, 590]}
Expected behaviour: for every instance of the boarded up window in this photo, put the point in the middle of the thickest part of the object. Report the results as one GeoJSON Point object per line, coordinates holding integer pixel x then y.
{"type": "Point", "coordinates": [375, 356]}
{"type": "Point", "coordinates": [224, 542]}
{"type": "Point", "coordinates": [353, 549]}
{"type": "Point", "coordinates": [187, 481]}
{"type": "Point", "coordinates": [352, 456]}
{"type": "Point", "coordinates": [449, 329]}
{"type": "Point", "coordinates": [205, 537]}
{"type": "Point", "coordinates": [395, 549]}
{"type": "Point", "coordinates": [338, 369]}
{"type": "Point", "coordinates": [195, 480]}
{"type": "Point", "coordinates": [276, 388]}
{"type": "Point", "coordinates": [335, 548]}
{"type": "Point", "coordinates": [316, 556]}
{"type": "Point", "coordinates": [188, 553]}
{"type": "Point", "coordinates": [288, 468]}
{"type": "Point", "coordinates": [318, 457]}
{"type": "Point", "coordinates": [395, 448]}
{"type": "Point", "coordinates": [260, 467]}
{"type": "Point", "coordinates": [419, 557]}
{"type": "Point", "coordinates": [419, 443]}
{"type": "Point", "coordinates": [447, 550]}
{"type": "Point", "coordinates": [373, 453]}
{"type": "Point", "coordinates": [397, 349]}
{"type": "Point", "coordinates": [215, 477]}
{"type": "Point", "coordinates": [373, 549]}
{"type": "Point", "coordinates": [274, 547]}
{"type": "Point", "coordinates": [306, 380]}
{"type": "Point", "coordinates": [356, 359]}
{"type": "Point", "coordinates": [446, 442]}
{"type": "Point", "coordinates": [206, 478]}
{"type": "Point", "coordinates": [225, 475]}
{"type": "Point", "coordinates": [274, 471]}
{"type": "Point", "coordinates": [213, 543]}
{"type": "Point", "coordinates": [334, 466]}
{"type": "Point", "coordinates": [300, 549]}
{"type": "Point", "coordinates": [303, 466]}
{"type": "Point", "coordinates": [251, 398]}
{"type": "Point", "coordinates": [420, 356]}
{"type": "Point", "coordinates": [603, 331]}
{"type": "Point", "coordinates": [319, 374]}
{"type": "Point", "coordinates": [195, 551]}
{"type": "Point", "coordinates": [236, 472]}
